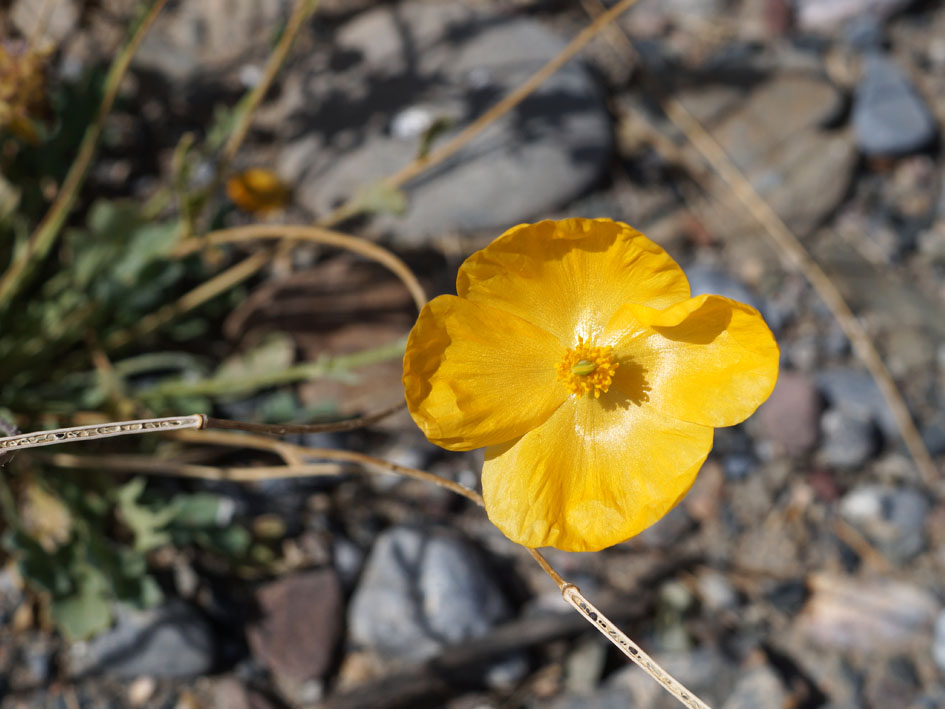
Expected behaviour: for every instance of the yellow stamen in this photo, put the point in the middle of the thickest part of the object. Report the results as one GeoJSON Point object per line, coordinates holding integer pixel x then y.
{"type": "Point", "coordinates": [587, 369]}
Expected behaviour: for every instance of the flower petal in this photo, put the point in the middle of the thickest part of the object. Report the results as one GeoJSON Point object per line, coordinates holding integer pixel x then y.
{"type": "Point", "coordinates": [569, 277]}
{"type": "Point", "coordinates": [709, 360]}
{"type": "Point", "coordinates": [597, 472]}
{"type": "Point", "coordinates": [476, 375]}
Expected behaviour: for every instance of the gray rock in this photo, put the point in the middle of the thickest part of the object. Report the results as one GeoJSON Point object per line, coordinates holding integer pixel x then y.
{"type": "Point", "coordinates": [856, 393]}
{"type": "Point", "coordinates": [188, 38]}
{"type": "Point", "coordinates": [348, 558]}
{"type": "Point", "coordinates": [171, 640]}
{"type": "Point", "coordinates": [889, 117]}
{"type": "Point", "coordinates": [45, 24]}
{"type": "Point", "coordinates": [758, 688]}
{"type": "Point", "coordinates": [933, 434]}
{"type": "Point", "coordinates": [715, 591]}
{"type": "Point", "coordinates": [848, 441]}
{"type": "Point", "coordinates": [507, 672]}
{"type": "Point", "coordinates": [299, 626]}
{"type": "Point", "coordinates": [894, 683]}
{"type": "Point", "coordinates": [869, 616]}
{"type": "Point", "coordinates": [420, 591]}
{"type": "Point", "coordinates": [893, 518]}
{"type": "Point", "coordinates": [606, 698]}
{"type": "Point", "coordinates": [668, 529]}
{"type": "Point", "coordinates": [791, 414]}
{"type": "Point", "coordinates": [738, 465]}
{"type": "Point", "coordinates": [11, 595]}
{"type": "Point", "coordinates": [938, 641]}
{"type": "Point", "coordinates": [829, 15]}
{"type": "Point", "coordinates": [773, 134]}
{"type": "Point", "coordinates": [774, 114]}
{"type": "Point", "coordinates": [39, 662]}
{"type": "Point", "coordinates": [398, 68]}
{"type": "Point", "coordinates": [585, 665]}
{"type": "Point", "coordinates": [865, 32]}
{"type": "Point", "coordinates": [704, 279]}
{"type": "Point", "coordinates": [931, 242]}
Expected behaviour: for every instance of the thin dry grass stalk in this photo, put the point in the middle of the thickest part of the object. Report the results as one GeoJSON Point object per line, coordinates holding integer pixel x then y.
{"type": "Point", "coordinates": [318, 235]}
{"type": "Point", "coordinates": [792, 253]}
{"type": "Point", "coordinates": [572, 594]}
{"type": "Point", "coordinates": [46, 232]}
{"type": "Point", "coordinates": [251, 265]}
{"type": "Point", "coordinates": [302, 11]}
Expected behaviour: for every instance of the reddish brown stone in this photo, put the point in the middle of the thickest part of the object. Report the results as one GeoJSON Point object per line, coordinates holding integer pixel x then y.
{"type": "Point", "coordinates": [299, 626]}
{"type": "Point", "coordinates": [791, 415]}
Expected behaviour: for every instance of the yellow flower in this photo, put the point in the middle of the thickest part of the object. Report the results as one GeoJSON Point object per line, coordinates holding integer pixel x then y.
{"type": "Point", "coordinates": [575, 355]}
{"type": "Point", "coordinates": [258, 190]}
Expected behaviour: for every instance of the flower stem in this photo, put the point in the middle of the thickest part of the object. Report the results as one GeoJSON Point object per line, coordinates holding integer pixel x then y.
{"type": "Point", "coordinates": [572, 594]}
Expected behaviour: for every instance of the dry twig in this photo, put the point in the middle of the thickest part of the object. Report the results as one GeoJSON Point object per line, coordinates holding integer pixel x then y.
{"type": "Point", "coordinates": [249, 266]}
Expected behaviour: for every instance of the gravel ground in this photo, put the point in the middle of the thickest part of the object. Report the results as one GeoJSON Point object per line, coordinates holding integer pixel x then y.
{"type": "Point", "coordinates": [804, 569]}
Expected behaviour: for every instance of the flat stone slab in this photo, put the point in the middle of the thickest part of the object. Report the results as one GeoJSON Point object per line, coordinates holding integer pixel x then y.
{"type": "Point", "coordinates": [361, 114]}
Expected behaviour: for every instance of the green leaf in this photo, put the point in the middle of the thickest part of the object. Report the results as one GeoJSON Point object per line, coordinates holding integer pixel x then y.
{"type": "Point", "coordinates": [380, 198]}
{"type": "Point", "coordinates": [199, 510]}
{"type": "Point", "coordinates": [274, 353]}
{"type": "Point", "coordinates": [86, 612]}
{"type": "Point", "coordinates": [49, 572]}
{"type": "Point", "coordinates": [279, 407]}
{"type": "Point", "coordinates": [147, 525]}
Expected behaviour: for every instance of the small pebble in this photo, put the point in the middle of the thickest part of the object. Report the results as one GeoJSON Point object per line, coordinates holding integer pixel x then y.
{"type": "Point", "coordinates": [889, 117]}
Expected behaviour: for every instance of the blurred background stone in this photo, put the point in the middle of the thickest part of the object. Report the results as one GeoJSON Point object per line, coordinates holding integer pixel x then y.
{"type": "Point", "coordinates": [422, 589]}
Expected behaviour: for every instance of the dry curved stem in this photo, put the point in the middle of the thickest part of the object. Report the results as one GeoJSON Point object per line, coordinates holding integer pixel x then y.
{"type": "Point", "coordinates": [793, 254]}
{"type": "Point", "coordinates": [45, 234]}
{"type": "Point", "coordinates": [367, 461]}
{"type": "Point", "coordinates": [155, 466]}
{"type": "Point", "coordinates": [249, 266]}
{"type": "Point", "coordinates": [315, 234]}
{"type": "Point", "coordinates": [287, 428]}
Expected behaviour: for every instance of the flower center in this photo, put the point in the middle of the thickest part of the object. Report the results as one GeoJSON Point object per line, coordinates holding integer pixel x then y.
{"type": "Point", "coordinates": [587, 369]}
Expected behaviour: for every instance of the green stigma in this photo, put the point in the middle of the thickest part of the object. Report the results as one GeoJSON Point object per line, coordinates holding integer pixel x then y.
{"type": "Point", "coordinates": [584, 367]}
